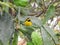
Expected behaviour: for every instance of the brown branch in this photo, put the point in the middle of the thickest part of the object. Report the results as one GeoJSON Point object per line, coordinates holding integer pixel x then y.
{"type": "Point", "coordinates": [39, 13]}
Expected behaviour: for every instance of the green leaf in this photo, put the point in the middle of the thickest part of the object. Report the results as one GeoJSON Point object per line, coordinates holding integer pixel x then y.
{"type": "Point", "coordinates": [1, 42]}
{"type": "Point", "coordinates": [15, 39]}
{"type": "Point", "coordinates": [27, 30]}
{"type": "Point", "coordinates": [29, 43]}
{"type": "Point", "coordinates": [6, 28]}
{"type": "Point", "coordinates": [50, 13]}
{"type": "Point", "coordinates": [51, 33]}
{"type": "Point", "coordinates": [36, 38]}
{"type": "Point", "coordinates": [47, 39]}
{"type": "Point", "coordinates": [22, 3]}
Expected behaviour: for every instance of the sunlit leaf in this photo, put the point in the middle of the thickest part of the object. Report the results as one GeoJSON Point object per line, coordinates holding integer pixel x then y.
{"type": "Point", "coordinates": [36, 38]}
{"type": "Point", "coordinates": [21, 3]}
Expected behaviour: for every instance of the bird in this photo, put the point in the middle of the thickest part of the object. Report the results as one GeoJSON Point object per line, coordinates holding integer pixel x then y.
{"type": "Point", "coordinates": [28, 22]}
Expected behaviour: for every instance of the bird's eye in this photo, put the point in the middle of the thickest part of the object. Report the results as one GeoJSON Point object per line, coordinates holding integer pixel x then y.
{"type": "Point", "coordinates": [29, 20]}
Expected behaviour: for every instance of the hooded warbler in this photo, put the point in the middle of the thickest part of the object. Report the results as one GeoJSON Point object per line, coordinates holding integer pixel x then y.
{"type": "Point", "coordinates": [28, 22]}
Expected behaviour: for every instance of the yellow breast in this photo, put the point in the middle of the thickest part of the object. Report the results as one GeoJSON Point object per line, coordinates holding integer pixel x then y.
{"type": "Point", "coordinates": [28, 23]}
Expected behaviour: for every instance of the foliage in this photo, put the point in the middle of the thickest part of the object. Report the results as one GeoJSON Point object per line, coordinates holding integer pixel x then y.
{"type": "Point", "coordinates": [29, 43]}
{"type": "Point", "coordinates": [36, 38]}
{"type": "Point", "coordinates": [1, 42]}
{"type": "Point", "coordinates": [8, 24]}
{"type": "Point", "coordinates": [15, 40]}
{"type": "Point", "coordinates": [10, 5]}
{"type": "Point", "coordinates": [49, 14]}
{"type": "Point", "coordinates": [48, 36]}
{"type": "Point", "coordinates": [6, 28]}
{"type": "Point", "coordinates": [22, 3]}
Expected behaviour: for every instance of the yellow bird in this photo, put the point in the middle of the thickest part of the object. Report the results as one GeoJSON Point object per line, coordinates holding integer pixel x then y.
{"type": "Point", "coordinates": [28, 22]}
